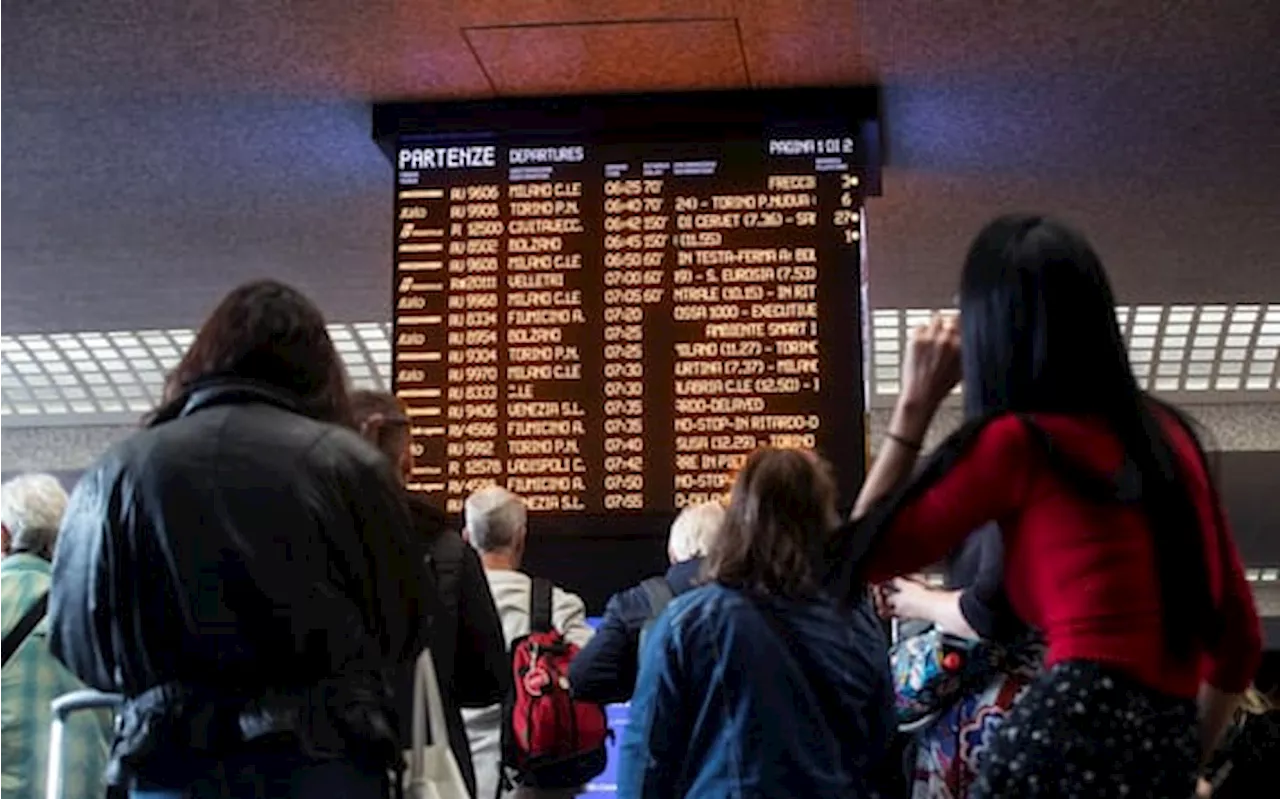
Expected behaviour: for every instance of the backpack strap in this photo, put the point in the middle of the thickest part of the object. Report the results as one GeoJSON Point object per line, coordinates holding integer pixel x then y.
{"type": "Point", "coordinates": [540, 606]}
{"type": "Point", "coordinates": [658, 591]}
{"type": "Point", "coordinates": [25, 626]}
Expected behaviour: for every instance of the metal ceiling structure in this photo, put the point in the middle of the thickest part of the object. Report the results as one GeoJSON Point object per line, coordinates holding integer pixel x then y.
{"type": "Point", "coordinates": [115, 377]}
{"type": "Point", "coordinates": [1187, 353]}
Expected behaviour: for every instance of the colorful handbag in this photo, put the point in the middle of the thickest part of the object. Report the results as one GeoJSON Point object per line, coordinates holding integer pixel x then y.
{"type": "Point", "coordinates": [933, 669]}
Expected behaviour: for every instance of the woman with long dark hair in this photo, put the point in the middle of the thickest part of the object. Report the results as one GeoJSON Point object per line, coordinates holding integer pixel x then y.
{"type": "Point", "coordinates": [1116, 546]}
{"type": "Point", "coordinates": [241, 572]}
{"type": "Point", "coordinates": [758, 683]}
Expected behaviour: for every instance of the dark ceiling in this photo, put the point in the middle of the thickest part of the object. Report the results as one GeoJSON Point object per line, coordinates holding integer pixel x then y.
{"type": "Point", "coordinates": [156, 153]}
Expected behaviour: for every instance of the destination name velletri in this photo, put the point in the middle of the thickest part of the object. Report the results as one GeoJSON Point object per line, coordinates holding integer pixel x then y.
{"type": "Point", "coordinates": [484, 156]}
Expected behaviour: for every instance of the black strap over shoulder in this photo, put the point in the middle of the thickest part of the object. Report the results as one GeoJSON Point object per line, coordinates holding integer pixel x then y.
{"type": "Point", "coordinates": [659, 593]}
{"type": "Point", "coordinates": [24, 627]}
{"type": "Point", "coordinates": [540, 606]}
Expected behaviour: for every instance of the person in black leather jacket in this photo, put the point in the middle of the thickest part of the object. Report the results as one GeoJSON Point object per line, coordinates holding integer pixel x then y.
{"type": "Point", "coordinates": [242, 572]}
{"type": "Point", "coordinates": [467, 644]}
{"type": "Point", "coordinates": [605, 669]}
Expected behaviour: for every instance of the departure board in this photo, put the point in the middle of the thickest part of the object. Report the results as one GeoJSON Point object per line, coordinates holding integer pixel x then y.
{"type": "Point", "coordinates": [611, 323]}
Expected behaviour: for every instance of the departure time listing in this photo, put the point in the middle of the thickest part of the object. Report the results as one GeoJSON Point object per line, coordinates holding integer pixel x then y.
{"type": "Point", "coordinates": [615, 328]}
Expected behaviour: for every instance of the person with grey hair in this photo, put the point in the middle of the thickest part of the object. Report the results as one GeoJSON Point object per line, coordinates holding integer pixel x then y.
{"type": "Point", "coordinates": [31, 508]}
{"type": "Point", "coordinates": [497, 525]}
{"type": "Point", "coordinates": [605, 670]}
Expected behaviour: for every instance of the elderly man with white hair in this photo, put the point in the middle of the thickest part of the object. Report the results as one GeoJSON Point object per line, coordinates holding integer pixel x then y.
{"type": "Point", "coordinates": [496, 525]}
{"type": "Point", "coordinates": [31, 509]}
{"type": "Point", "coordinates": [605, 671]}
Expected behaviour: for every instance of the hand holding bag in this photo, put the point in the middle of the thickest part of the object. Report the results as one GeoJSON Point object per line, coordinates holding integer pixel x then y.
{"type": "Point", "coordinates": [433, 770]}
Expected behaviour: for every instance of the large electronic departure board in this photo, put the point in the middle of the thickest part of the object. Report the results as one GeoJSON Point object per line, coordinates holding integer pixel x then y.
{"type": "Point", "coordinates": [606, 305]}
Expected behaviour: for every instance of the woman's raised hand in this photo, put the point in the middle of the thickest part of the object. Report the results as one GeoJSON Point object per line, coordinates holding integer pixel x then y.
{"type": "Point", "coordinates": [932, 364]}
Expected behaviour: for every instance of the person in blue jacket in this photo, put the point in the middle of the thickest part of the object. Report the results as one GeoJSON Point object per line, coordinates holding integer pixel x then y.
{"type": "Point", "coordinates": [605, 670]}
{"type": "Point", "coordinates": [762, 683]}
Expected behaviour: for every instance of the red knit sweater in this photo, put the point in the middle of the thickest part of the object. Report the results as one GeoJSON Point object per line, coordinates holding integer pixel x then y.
{"type": "Point", "coordinates": [1083, 573]}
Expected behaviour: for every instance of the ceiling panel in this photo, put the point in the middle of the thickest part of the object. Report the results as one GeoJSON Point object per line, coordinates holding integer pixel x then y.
{"type": "Point", "coordinates": [603, 57]}
{"type": "Point", "coordinates": [501, 13]}
{"type": "Point", "coordinates": [804, 44]}
{"type": "Point", "coordinates": [158, 153]}
{"type": "Point", "coordinates": [1211, 242]}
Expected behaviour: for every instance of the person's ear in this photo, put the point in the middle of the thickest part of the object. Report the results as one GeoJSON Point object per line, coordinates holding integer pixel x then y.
{"type": "Point", "coordinates": [370, 426]}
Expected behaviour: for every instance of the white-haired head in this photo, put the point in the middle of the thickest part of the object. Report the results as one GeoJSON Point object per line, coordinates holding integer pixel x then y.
{"type": "Point", "coordinates": [31, 508]}
{"type": "Point", "coordinates": [496, 520]}
{"type": "Point", "coordinates": [692, 531]}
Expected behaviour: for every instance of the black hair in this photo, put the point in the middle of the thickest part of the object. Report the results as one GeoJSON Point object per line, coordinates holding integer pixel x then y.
{"type": "Point", "coordinates": [268, 333]}
{"type": "Point", "coordinates": [1040, 335]}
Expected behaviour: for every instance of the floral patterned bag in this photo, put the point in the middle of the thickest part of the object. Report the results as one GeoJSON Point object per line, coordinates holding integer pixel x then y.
{"type": "Point", "coordinates": [933, 669]}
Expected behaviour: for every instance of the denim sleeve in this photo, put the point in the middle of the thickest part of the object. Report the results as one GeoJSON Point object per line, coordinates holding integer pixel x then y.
{"type": "Point", "coordinates": [655, 740]}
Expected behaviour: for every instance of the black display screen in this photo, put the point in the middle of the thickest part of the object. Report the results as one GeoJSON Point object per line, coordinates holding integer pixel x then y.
{"type": "Point", "coordinates": [609, 320]}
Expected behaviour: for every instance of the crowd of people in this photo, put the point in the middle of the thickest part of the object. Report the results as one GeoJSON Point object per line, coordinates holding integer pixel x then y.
{"type": "Point", "coordinates": [250, 575]}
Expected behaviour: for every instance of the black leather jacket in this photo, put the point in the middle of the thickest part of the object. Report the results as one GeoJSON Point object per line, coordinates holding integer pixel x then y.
{"type": "Point", "coordinates": [244, 575]}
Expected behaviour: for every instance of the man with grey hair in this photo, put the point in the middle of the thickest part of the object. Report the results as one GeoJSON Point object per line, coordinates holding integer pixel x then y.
{"type": "Point", "coordinates": [497, 525]}
{"type": "Point", "coordinates": [31, 509]}
{"type": "Point", "coordinates": [605, 670]}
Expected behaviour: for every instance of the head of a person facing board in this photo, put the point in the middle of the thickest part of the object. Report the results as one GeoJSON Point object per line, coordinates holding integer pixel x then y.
{"type": "Point", "coordinates": [269, 334]}
{"type": "Point", "coordinates": [382, 419]}
{"type": "Point", "coordinates": [1038, 322]}
{"type": "Point", "coordinates": [496, 523]}
{"type": "Point", "coordinates": [781, 510]}
{"type": "Point", "coordinates": [693, 531]}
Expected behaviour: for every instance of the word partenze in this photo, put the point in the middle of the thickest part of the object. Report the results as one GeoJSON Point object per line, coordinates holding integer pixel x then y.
{"type": "Point", "coordinates": [474, 157]}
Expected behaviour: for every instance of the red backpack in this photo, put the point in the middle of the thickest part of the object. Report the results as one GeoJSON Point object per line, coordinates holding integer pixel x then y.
{"type": "Point", "coordinates": [549, 739]}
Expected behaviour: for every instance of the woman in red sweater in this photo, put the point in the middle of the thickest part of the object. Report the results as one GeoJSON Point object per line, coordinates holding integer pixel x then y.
{"type": "Point", "coordinates": [1116, 546]}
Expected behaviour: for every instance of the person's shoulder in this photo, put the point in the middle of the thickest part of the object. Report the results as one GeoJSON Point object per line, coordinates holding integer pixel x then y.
{"type": "Point", "coordinates": [1000, 437]}
{"type": "Point", "coordinates": [510, 579]}
{"type": "Point", "coordinates": [710, 603]}
{"type": "Point", "coordinates": [428, 520]}
{"type": "Point", "coordinates": [1008, 428]}
{"type": "Point", "coordinates": [561, 596]}
{"type": "Point", "coordinates": [346, 446]}
{"type": "Point", "coordinates": [629, 604]}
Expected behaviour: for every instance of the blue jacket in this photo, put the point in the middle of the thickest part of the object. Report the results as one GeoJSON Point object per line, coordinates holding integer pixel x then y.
{"type": "Point", "coordinates": [605, 670]}
{"type": "Point", "coordinates": [724, 707]}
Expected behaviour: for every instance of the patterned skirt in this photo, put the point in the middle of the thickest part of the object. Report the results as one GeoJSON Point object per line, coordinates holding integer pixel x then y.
{"type": "Point", "coordinates": [1084, 730]}
{"type": "Point", "coordinates": [948, 751]}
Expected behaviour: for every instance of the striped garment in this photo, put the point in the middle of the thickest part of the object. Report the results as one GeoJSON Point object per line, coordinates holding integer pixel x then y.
{"type": "Point", "coordinates": [29, 682]}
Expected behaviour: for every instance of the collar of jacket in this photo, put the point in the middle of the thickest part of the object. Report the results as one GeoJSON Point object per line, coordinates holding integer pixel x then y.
{"type": "Point", "coordinates": [228, 391]}
{"type": "Point", "coordinates": [25, 562]}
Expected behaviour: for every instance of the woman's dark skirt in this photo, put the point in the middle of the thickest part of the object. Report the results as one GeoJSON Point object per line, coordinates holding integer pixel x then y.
{"type": "Point", "coordinates": [1084, 730]}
